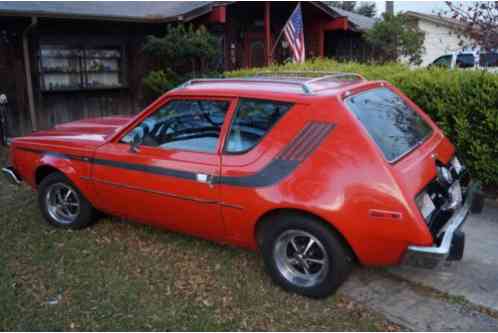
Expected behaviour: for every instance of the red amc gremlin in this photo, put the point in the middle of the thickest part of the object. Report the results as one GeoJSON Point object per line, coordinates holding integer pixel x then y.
{"type": "Point", "coordinates": [314, 173]}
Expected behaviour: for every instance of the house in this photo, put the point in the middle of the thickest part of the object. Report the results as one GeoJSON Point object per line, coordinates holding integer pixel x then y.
{"type": "Point", "coordinates": [441, 35]}
{"type": "Point", "coordinates": [349, 44]}
{"type": "Point", "coordinates": [62, 61]}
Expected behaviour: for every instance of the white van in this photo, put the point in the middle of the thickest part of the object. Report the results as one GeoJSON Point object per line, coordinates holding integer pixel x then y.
{"type": "Point", "coordinates": [468, 60]}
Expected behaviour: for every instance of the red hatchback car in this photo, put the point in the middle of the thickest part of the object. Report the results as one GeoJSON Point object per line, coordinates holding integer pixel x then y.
{"type": "Point", "coordinates": [314, 173]}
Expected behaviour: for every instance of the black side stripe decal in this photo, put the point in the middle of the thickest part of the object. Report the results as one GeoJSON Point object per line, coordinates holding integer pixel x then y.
{"type": "Point", "coordinates": [274, 172]}
{"type": "Point", "coordinates": [298, 150]}
{"type": "Point", "coordinates": [310, 137]}
{"type": "Point", "coordinates": [147, 169]}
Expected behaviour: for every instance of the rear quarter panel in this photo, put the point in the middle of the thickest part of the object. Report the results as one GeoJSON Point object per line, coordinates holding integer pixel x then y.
{"type": "Point", "coordinates": [341, 182]}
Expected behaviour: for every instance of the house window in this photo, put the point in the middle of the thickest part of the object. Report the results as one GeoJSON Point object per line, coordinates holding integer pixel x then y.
{"type": "Point", "coordinates": [64, 68]}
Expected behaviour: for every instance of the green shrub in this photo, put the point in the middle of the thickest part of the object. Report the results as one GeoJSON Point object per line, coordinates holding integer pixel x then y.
{"type": "Point", "coordinates": [182, 52]}
{"type": "Point", "coordinates": [463, 103]}
{"type": "Point", "coordinates": [155, 83]}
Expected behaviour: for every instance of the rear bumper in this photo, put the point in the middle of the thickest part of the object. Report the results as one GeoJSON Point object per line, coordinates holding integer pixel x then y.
{"type": "Point", "coordinates": [11, 175]}
{"type": "Point", "coordinates": [452, 242]}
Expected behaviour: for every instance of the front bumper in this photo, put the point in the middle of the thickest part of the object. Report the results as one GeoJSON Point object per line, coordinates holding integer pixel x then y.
{"type": "Point", "coordinates": [451, 245]}
{"type": "Point", "coordinates": [11, 175]}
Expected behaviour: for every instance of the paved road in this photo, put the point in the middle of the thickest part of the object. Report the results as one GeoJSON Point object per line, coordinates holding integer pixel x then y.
{"type": "Point", "coordinates": [475, 279]}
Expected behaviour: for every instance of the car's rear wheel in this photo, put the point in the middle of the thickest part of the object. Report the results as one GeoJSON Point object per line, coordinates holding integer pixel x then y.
{"type": "Point", "coordinates": [62, 204]}
{"type": "Point", "coordinates": [304, 256]}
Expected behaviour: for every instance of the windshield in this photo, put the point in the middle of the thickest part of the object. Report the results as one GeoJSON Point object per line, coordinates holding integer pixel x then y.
{"type": "Point", "coordinates": [444, 61]}
{"type": "Point", "coordinates": [394, 126]}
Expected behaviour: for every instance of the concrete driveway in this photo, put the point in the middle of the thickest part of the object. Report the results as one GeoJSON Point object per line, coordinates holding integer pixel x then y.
{"type": "Point", "coordinates": [459, 296]}
{"type": "Point", "coordinates": [475, 277]}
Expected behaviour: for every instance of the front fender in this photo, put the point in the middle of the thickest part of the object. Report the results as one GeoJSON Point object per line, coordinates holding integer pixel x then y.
{"type": "Point", "coordinates": [77, 170]}
{"type": "Point", "coordinates": [62, 164]}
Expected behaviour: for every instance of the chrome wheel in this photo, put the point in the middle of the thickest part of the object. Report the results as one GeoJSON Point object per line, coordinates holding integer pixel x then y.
{"type": "Point", "coordinates": [301, 258]}
{"type": "Point", "coordinates": [63, 203]}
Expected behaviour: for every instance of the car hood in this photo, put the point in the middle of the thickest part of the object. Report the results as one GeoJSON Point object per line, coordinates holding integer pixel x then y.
{"type": "Point", "coordinates": [87, 132]}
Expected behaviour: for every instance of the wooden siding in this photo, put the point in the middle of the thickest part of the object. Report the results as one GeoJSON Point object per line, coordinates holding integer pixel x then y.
{"type": "Point", "coordinates": [12, 76]}
{"type": "Point", "coordinates": [243, 28]}
{"type": "Point", "coordinates": [55, 107]}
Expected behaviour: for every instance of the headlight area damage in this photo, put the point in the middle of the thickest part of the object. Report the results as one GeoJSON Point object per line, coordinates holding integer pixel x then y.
{"type": "Point", "coordinates": [445, 205]}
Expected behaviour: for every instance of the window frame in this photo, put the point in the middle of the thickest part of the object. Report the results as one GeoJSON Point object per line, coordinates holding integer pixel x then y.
{"type": "Point", "coordinates": [82, 58]}
{"type": "Point", "coordinates": [234, 115]}
{"type": "Point", "coordinates": [155, 107]}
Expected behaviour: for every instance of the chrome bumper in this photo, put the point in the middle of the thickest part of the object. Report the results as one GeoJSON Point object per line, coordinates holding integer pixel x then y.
{"type": "Point", "coordinates": [432, 256]}
{"type": "Point", "coordinates": [11, 175]}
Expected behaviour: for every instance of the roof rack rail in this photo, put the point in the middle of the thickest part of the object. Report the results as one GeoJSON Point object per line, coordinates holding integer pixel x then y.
{"type": "Point", "coordinates": [301, 79]}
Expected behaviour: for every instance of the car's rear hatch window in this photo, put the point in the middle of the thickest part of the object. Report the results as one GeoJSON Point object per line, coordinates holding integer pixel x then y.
{"type": "Point", "coordinates": [394, 126]}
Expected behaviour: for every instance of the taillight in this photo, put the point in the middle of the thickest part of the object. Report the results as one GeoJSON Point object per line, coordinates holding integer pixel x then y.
{"type": "Point", "coordinates": [425, 205]}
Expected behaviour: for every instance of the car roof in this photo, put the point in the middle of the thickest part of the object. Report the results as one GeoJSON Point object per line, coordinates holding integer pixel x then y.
{"type": "Point", "coordinates": [278, 85]}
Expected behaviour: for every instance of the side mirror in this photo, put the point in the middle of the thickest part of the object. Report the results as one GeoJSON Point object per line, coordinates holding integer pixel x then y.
{"type": "Point", "coordinates": [135, 143]}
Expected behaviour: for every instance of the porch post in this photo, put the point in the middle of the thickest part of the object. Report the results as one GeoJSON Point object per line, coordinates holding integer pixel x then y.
{"type": "Point", "coordinates": [268, 46]}
{"type": "Point", "coordinates": [27, 68]}
{"type": "Point", "coordinates": [321, 38]}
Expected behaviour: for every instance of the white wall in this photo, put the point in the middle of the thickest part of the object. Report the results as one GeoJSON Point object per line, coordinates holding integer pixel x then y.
{"type": "Point", "coordinates": [439, 40]}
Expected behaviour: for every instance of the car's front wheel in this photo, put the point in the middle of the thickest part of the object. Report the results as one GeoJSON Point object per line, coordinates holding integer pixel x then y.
{"type": "Point", "coordinates": [62, 204]}
{"type": "Point", "coordinates": [305, 256]}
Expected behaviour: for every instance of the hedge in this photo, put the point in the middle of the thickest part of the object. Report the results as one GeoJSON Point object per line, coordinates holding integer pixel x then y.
{"type": "Point", "coordinates": [464, 103]}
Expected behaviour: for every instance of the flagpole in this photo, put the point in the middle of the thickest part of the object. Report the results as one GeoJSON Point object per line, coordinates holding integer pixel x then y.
{"type": "Point", "coordinates": [282, 31]}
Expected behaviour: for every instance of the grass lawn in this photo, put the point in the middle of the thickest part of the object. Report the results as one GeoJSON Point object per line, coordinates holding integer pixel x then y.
{"type": "Point", "coordinates": [118, 275]}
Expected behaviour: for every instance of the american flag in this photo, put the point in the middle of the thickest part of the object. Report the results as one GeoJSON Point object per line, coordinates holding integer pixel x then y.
{"type": "Point", "coordinates": [294, 34]}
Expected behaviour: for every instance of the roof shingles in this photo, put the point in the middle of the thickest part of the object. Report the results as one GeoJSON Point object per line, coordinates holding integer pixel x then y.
{"type": "Point", "coordinates": [119, 10]}
{"type": "Point", "coordinates": [363, 23]}
{"type": "Point", "coordinates": [142, 11]}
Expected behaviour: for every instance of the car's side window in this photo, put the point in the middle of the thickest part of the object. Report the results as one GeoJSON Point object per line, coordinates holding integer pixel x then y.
{"type": "Point", "coordinates": [192, 125]}
{"type": "Point", "coordinates": [488, 60]}
{"type": "Point", "coordinates": [465, 61]}
{"type": "Point", "coordinates": [253, 119]}
{"type": "Point", "coordinates": [444, 61]}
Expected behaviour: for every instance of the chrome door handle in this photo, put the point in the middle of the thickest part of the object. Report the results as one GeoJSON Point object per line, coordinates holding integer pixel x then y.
{"type": "Point", "coordinates": [204, 178]}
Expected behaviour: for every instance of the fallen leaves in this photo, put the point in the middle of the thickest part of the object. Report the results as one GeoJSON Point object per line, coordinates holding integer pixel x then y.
{"type": "Point", "coordinates": [118, 275]}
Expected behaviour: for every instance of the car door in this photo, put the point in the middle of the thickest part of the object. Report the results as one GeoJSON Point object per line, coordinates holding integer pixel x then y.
{"type": "Point", "coordinates": [167, 180]}
{"type": "Point", "coordinates": [253, 142]}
